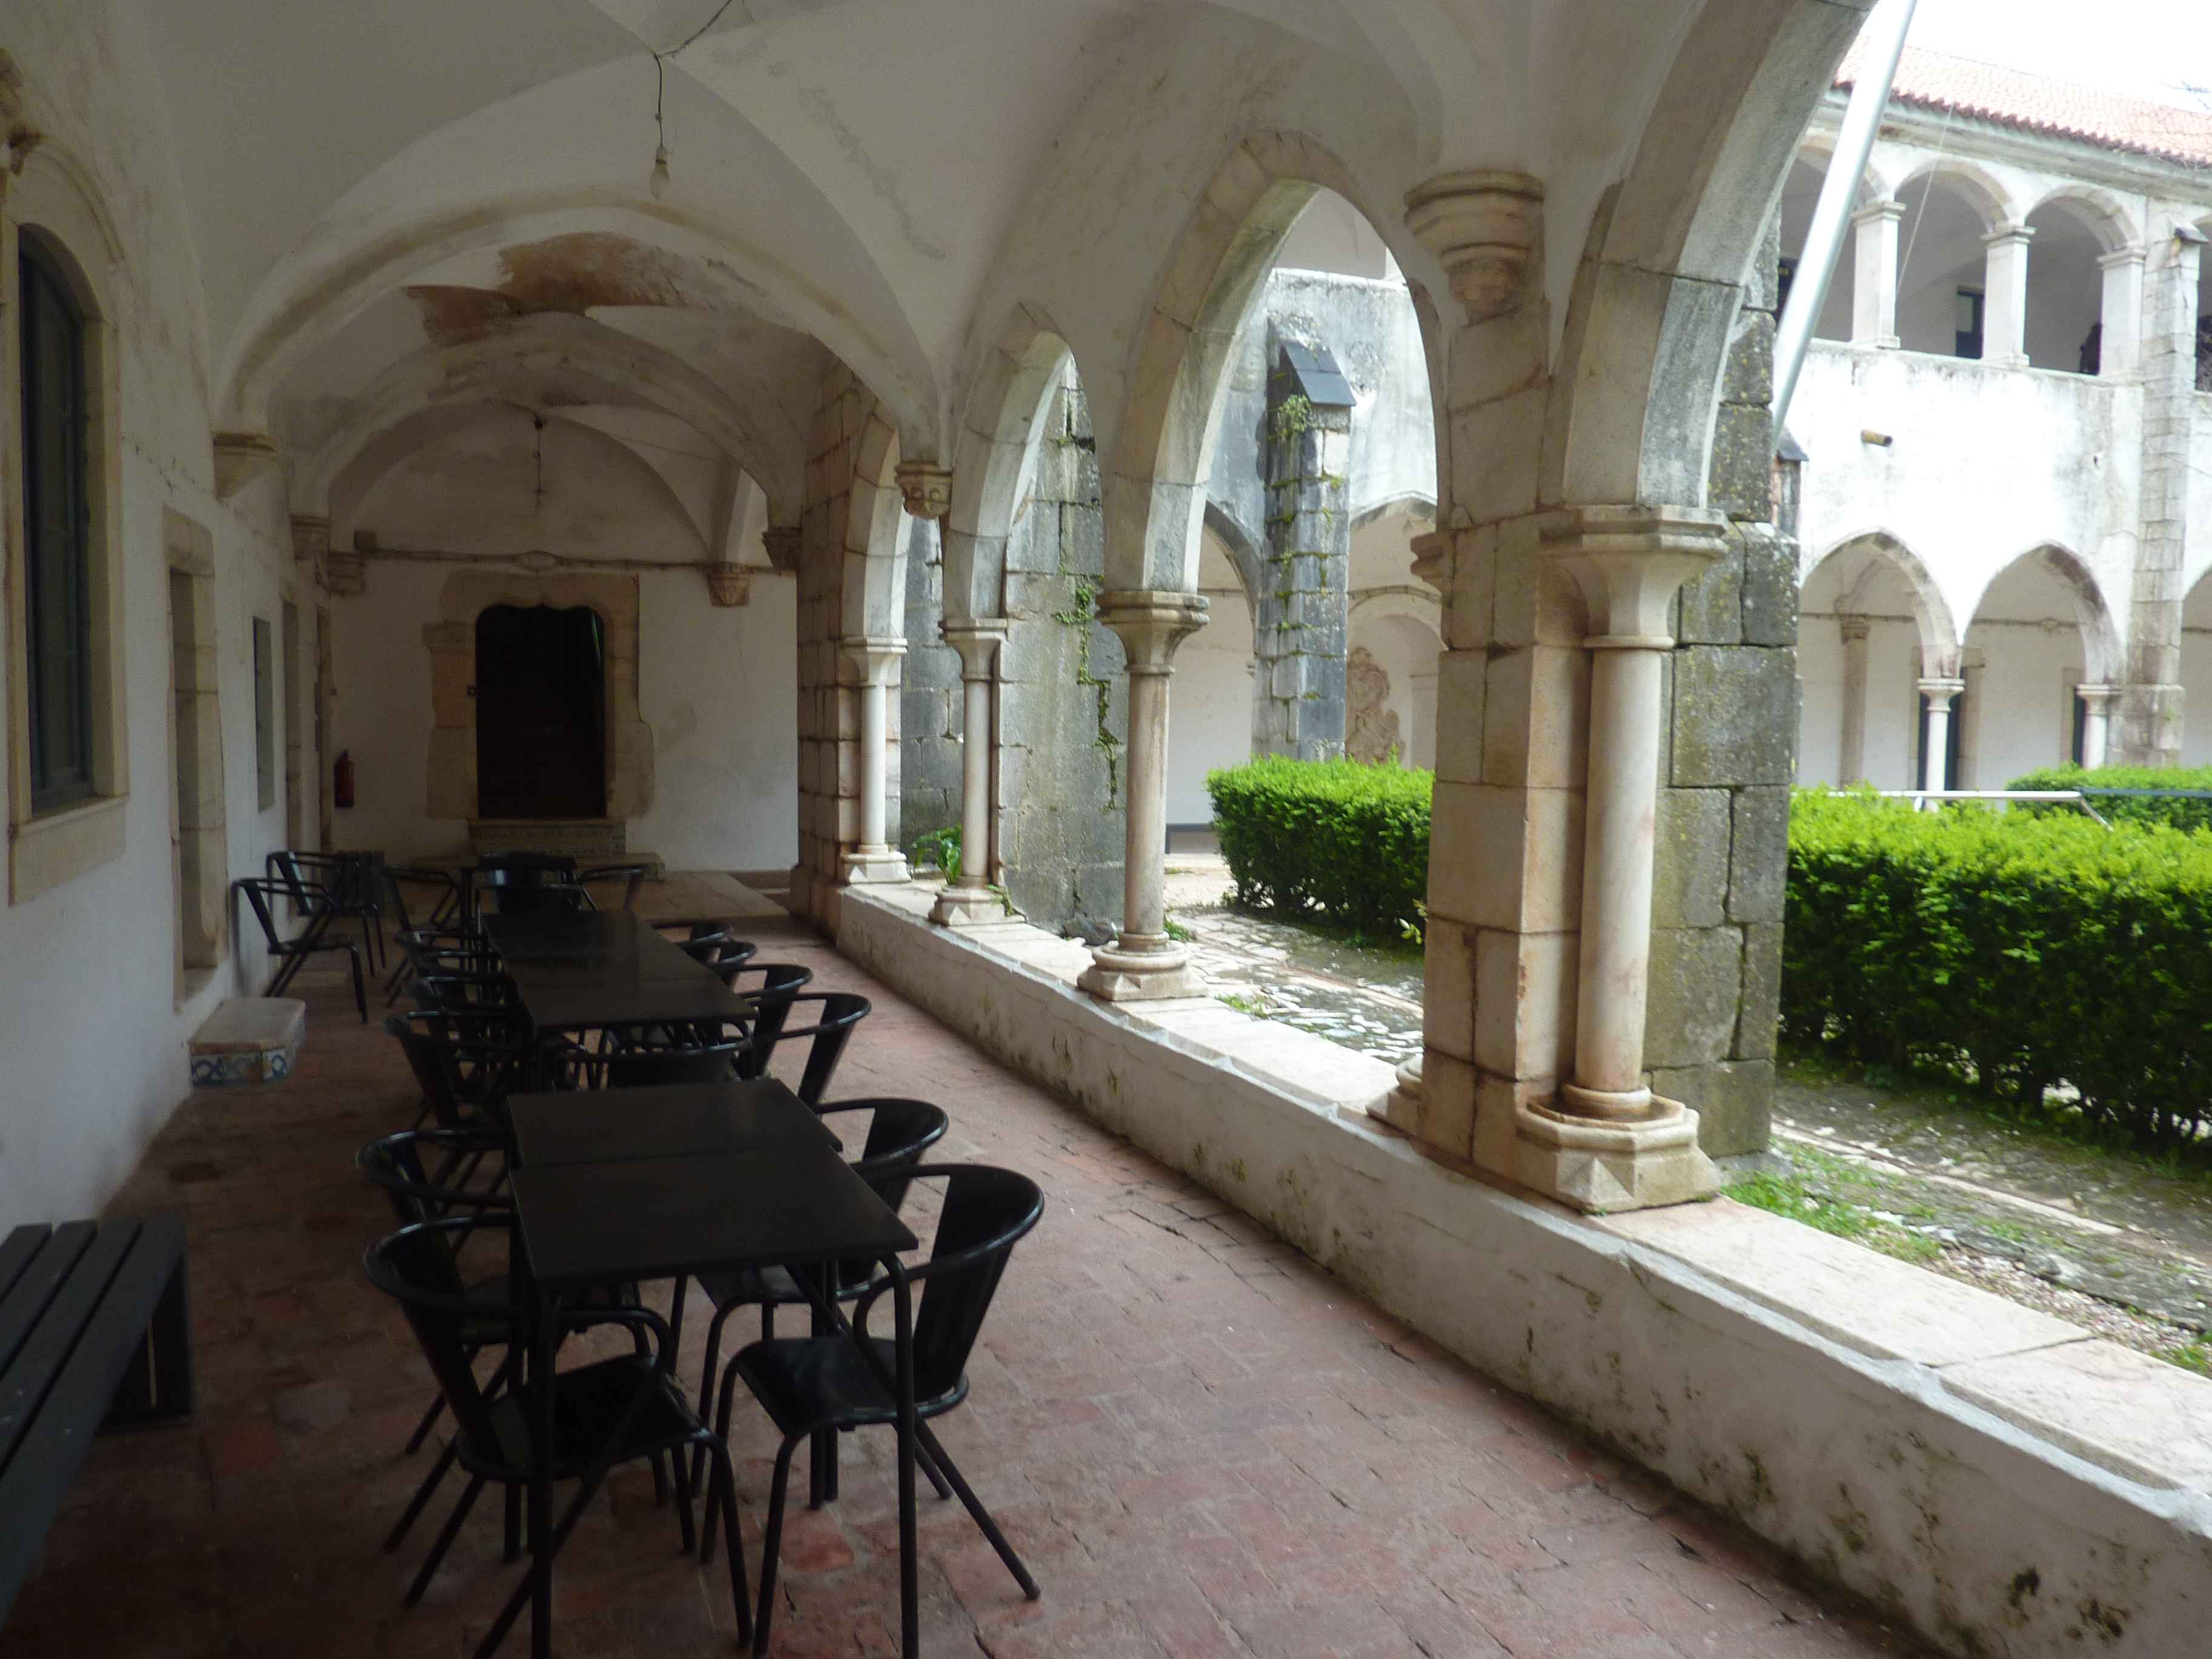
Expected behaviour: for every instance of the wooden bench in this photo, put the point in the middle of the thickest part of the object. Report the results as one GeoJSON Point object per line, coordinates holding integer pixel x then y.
{"type": "Point", "coordinates": [95, 1331]}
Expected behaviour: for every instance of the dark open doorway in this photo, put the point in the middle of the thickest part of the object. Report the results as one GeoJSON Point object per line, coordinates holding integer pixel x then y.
{"type": "Point", "coordinates": [541, 695]}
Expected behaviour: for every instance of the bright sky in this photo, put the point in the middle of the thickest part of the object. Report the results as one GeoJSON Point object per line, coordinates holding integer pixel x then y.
{"type": "Point", "coordinates": [2149, 47]}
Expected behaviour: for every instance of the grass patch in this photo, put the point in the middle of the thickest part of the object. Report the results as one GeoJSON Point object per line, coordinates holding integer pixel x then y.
{"type": "Point", "coordinates": [2190, 1356]}
{"type": "Point", "coordinates": [2057, 1124]}
{"type": "Point", "coordinates": [1819, 1193]}
{"type": "Point", "coordinates": [1255, 1005]}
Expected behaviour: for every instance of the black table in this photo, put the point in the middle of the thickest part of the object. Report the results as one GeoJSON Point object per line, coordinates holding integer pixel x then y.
{"type": "Point", "coordinates": [598, 968]}
{"type": "Point", "coordinates": [675, 1120]}
{"type": "Point", "coordinates": [586, 1226]}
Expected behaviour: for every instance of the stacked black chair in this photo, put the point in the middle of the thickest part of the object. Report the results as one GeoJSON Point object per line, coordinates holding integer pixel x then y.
{"type": "Point", "coordinates": [840, 1012]}
{"type": "Point", "coordinates": [333, 887]}
{"type": "Point", "coordinates": [844, 1380]}
{"type": "Point", "coordinates": [632, 876]}
{"type": "Point", "coordinates": [292, 954]}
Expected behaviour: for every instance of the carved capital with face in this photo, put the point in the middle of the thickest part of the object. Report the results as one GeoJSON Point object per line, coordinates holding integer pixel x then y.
{"type": "Point", "coordinates": [1487, 227]}
{"type": "Point", "coordinates": [927, 486]}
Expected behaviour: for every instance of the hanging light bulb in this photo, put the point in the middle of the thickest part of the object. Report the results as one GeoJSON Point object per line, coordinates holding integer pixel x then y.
{"type": "Point", "coordinates": [658, 181]}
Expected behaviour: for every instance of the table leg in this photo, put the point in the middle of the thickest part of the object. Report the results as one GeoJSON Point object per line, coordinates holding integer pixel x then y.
{"type": "Point", "coordinates": [544, 1344]}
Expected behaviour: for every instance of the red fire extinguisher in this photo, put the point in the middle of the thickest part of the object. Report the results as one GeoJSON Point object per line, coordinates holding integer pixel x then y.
{"type": "Point", "coordinates": [341, 779]}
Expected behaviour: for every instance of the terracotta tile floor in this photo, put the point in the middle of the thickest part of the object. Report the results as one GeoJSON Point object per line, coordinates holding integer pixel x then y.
{"type": "Point", "coordinates": [1202, 1444]}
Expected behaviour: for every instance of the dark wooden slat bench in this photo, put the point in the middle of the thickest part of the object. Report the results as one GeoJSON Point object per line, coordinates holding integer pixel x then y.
{"type": "Point", "coordinates": [95, 1331]}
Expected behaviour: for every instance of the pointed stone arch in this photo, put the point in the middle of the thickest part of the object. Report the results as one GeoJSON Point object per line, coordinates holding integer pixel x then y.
{"type": "Point", "coordinates": [997, 433]}
{"type": "Point", "coordinates": [1932, 613]}
{"type": "Point", "coordinates": [2100, 634]}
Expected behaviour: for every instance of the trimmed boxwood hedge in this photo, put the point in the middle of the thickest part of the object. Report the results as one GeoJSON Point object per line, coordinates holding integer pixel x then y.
{"type": "Point", "coordinates": [2182, 812]}
{"type": "Point", "coordinates": [1348, 840]}
{"type": "Point", "coordinates": [2037, 948]}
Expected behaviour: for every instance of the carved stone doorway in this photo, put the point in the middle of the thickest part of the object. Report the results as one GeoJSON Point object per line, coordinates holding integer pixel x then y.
{"type": "Point", "coordinates": [541, 695]}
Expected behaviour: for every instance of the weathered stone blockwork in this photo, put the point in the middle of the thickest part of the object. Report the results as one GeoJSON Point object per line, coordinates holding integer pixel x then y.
{"type": "Point", "coordinates": [1063, 699]}
{"type": "Point", "coordinates": [928, 794]}
{"type": "Point", "coordinates": [1724, 809]}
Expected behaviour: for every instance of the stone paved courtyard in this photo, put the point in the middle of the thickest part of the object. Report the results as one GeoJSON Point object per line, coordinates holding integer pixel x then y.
{"type": "Point", "coordinates": [1203, 1444]}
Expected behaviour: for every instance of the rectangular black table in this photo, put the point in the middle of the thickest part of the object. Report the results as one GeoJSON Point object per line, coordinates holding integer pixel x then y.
{"type": "Point", "coordinates": [675, 1119]}
{"type": "Point", "coordinates": [606, 967]}
{"type": "Point", "coordinates": [586, 1226]}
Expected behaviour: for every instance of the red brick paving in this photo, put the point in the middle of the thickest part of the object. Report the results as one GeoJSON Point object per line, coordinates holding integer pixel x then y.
{"type": "Point", "coordinates": [1203, 1445]}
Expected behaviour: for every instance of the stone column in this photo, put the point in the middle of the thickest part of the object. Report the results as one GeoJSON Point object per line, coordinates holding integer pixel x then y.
{"type": "Point", "coordinates": [2149, 730]}
{"type": "Point", "coordinates": [1873, 274]}
{"type": "Point", "coordinates": [1300, 617]}
{"type": "Point", "coordinates": [1143, 964]}
{"type": "Point", "coordinates": [1607, 1142]}
{"type": "Point", "coordinates": [877, 660]}
{"type": "Point", "coordinates": [2004, 297]}
{"type": "Point", "coordinates": [2097, 702]}
{"type": "Point", "coordinates": [1850, 750]}
{"type": "Point", "coordinates": [2119, 317]}
{"type": "Point", "coordinates": [1937, 767]}
{"type": "Point", "coordinates": [969, 899]}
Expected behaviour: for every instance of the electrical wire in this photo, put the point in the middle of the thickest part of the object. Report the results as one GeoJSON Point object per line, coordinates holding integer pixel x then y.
{"type": "Point", "coordinates": [660, 71]}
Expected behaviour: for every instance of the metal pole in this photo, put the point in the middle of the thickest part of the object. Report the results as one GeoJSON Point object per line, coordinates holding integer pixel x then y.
{"type": "Point", "coordinates": [1884, 37]}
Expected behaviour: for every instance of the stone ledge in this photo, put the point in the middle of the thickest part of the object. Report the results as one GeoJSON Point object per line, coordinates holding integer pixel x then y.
{"type": "Point", "coordinates": [248, 1040]}
{"type": "Point", "coordinates": [1936, 1471]}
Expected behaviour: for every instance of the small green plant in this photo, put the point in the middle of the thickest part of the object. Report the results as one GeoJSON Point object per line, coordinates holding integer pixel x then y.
{"type": "Point", "coordinates": [1254, 1004]}
{"type": "Point", "coordinates": [1810, 1195]}
{"type": "Point", "coordinates": [2190, 1356]}
{"type": "Point", "coordinates": [1178, 933]}
{"type": "Point", "coordinates": [941, 848]}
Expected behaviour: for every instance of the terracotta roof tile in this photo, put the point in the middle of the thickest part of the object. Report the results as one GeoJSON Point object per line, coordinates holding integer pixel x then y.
{"type": "Point", "coordinates": [2038, 103]}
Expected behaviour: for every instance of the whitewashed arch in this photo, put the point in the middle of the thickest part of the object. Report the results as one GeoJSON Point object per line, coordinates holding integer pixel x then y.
{"type": "Point", "coordinates": [997, 434]}
{"type": "Point", "coordinates": [2100, 634]}
{"type": "Point", "coordinates": [1932, 612]}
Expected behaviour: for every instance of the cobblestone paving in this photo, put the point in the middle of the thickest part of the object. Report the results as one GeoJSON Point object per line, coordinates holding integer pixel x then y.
{"type": "Point", "coordinates": [1203, 1444]}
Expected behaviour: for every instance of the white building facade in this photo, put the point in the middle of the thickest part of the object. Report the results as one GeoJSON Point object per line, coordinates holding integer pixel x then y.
{"type": "Point", "coordinates": [2006, 513]}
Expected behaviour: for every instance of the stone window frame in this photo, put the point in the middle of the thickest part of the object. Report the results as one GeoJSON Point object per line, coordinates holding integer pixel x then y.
{"type": "Point", "coordinates": [198, 805]}
{"type": "Point", "coordinates": [53, 201]}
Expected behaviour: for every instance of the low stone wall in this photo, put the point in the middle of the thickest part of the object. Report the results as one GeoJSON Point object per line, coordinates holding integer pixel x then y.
{"type": "Point", "coordinates": [1994, 1476]}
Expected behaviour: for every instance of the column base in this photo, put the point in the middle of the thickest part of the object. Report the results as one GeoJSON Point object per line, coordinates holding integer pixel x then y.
{"type": "Point", "coordinates": [968, 907]}
{"type": "Point", "coordinates": [1603, 1166]}
{"type": "Point", "coordinates": [1134, 969]}
{"type": "Point", "coordinates": [873, 864]}
{"type": "Point", "coordinates": [1401, 1108]}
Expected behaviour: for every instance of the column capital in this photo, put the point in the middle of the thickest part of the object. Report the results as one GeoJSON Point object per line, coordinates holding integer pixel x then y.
{"type": "Point", "coordinates": [2009, 236]}
{"type": "Point", "coordinates": [1853, 628]}
{"type": "Point", "coordinates": [728, 585]}
{"type": "Point", "coordinates": [1485, 225]}
{"type": "Point", "coordinates": [239, 459]}
{"type": "Point", "coordinates": [1151, 623]}
{"type": "Point", "coordinates": [310, 538]}
{"type": "Point", "coordinates": [2131, 255]}
{"type": "Point", "coordinates": [1629, 561]}
{"type": "Point", "coordinates": [1939, 689]}
{"type": "Point", "coordinates": [977, 639]}
{"type": "Point", "coordinates": [783, 542]}
{"type": "Point", "coordinates": [2098, 697]}
{"type": "Point", "coordinates": [926, 488]}
{"type": "Point", "coordinates": [1887, 208]}
{"type": "Point", "coordinates": [874, 655]}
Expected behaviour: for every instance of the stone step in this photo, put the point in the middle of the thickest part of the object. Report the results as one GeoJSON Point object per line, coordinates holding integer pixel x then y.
{"type": "Point", "coordinates": [248, 1040]}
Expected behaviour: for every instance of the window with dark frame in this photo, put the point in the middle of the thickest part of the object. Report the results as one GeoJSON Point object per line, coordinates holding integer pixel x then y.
{"type": "Point", "coordinates": [56, 521]}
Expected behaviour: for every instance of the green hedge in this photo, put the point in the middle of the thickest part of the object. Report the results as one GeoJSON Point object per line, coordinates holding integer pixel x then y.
{"type": "Point", "coordinates": [1351, 842]}
{"type": "Point", "coordinates": [2182, 814]}
{"type": "Point", "coordinates": [2036, 949]}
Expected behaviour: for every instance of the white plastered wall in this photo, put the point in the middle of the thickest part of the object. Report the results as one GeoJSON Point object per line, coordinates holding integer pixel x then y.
{"type": "Point", "coordinates": [1210, 698]}
{"type": "Point", "coordinates": [92, 1027]}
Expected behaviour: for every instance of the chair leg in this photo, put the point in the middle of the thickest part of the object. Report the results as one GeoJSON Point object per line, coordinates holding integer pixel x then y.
{"type": "Point", "coordinates": [414, 1504]}
{"type": "Point", "coordinates": [707, 1380]}
{"type": "Point", "coordinates": [423, 1428]}
{"type": "Point", "coordinates": [724, 1485]}
{"type": "Point", "coordinates": [445, 1537]}
{"type": "Point", "coordinates": [928, 1466]}
{"type": "Point", "coordinates": [772, 1541]}
{"type": "Point", "coordinates": [680, 1466]}
{"type": "Point", "coordinates": [360, 991]}
{"type": "Point", "coordinates": [513, 1549]}
{"type": "Point", "coordinates": [925, 1440]}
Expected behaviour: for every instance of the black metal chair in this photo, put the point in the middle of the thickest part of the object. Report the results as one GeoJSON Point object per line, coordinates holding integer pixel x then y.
{"type": "Point", "coordinates": [335, 887]}
{"type": "Point", "coordinates": [292, 954]}
{"type": "Point", "coordinates": [780, 981]}
{"type": "Point", "coordinates": [632, 876]}
{"type": "Point", "coordinates": [465, 1067]}
{"type": "Point", "coordinates": [612, 1412]}
{"type": "Point", "coordinates": [811, 1385]}
{"type": "Point", "coordinates": [842, 1010]}
{"type": "Point", "coordinates": [633, 1063]}
{"type": "Point", "coordinates": [536, 898]}
{"type": "Point", "coordinates": [439, 924]}
{"type": "Point", "coordinates": [705, 949]}
{"type": "Point", "coordinates": [899, 1132]}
